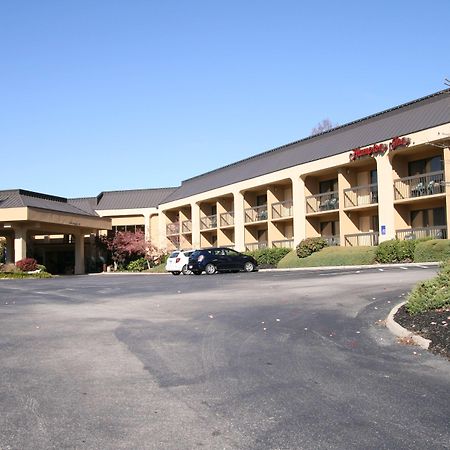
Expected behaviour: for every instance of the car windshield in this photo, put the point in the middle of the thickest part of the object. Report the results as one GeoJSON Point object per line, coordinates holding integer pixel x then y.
{"type": "Point", "coordinates": [174, 254]}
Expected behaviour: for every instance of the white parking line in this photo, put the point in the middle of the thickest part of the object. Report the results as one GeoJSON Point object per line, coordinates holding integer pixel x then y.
{"type": "Point", "coordinates": [381, 270]}
{"type": "Point", "coordinates": [404, 268]}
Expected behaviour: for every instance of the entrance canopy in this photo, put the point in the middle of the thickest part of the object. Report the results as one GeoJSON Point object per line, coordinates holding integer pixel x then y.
{"type": "Point", "coordinates": [26, 213]}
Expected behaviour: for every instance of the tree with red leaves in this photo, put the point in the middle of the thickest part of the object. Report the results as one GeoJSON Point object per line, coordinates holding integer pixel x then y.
{"type": "Point", "coordinates": [128, 245]}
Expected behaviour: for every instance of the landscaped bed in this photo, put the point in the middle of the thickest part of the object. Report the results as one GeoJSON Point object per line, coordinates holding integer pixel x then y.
{"type": "Point", "coordinates": [433, 325]}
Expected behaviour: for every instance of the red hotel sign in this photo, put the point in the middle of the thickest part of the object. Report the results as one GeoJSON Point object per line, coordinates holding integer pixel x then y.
{"type": "Point", "coordinates": [379, 148]}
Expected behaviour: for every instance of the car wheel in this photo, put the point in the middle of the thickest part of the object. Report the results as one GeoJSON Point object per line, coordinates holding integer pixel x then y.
{"type": "Point", "coordinates": [197, 272]}
{"type": "Point", "coordinates": [210, 269]}
{"type": "Point", "coordinates": [249, 266]}
{"type": "Point", "coordinates": [185, 270]}
{"type": "Point", "coordinates": [176, 272]}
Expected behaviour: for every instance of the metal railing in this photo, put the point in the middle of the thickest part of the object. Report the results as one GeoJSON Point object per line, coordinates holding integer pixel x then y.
{"type": "Point", "coordinates": [362, 239]}
{"type": "Point", "coordinates": [208, 222]}
{"type": "Point", "coordinates": [284, 243]}
{"type": "Point", "coordinates": [172, 228]}
{"type": "Point", "coordinates": [419, 185]}
{"type": "Point", "coordinates": [322, 202]}
{"type": "Point", "coordinates": [249, 247]}
{"type": "Point", "coordinates": [256, 214]}
{"type": "Point", "coordinates": [186, 226]}
{"type": "Point", "coordinates": [361, 195]}
{"type": "Point", "coordinates": [333, 240]}
{"type": "Point", "coordinates": [227, 219]}
{"type": "Point", "coordinates": [437, 232]}
{"type": "Point", "coordinates": [282, 209]}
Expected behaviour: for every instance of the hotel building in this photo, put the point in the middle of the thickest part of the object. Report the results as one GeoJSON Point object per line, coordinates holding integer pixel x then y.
{"type": "Point", "coordinates": [382, 177]}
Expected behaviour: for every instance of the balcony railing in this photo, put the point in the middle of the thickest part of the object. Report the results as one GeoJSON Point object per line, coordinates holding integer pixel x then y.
{"type": "Point", "coordinates": [333, 240]}
{"type": "Point", "coordinates": [186, 226]}
{"type": "Point", "coordinates": [249, 247]}
{"type": "Point", "coordinates": [256, 214]}
{"type": "Point", "coordinates": [172, 228]}
{"type": "Point", "coordinates": [282, 209]}
{"type": "Point", "coordinates": [362, 239]}
{"type": "Point", "coordinates": [322, 202]}
{"type": "Point", "coordinates": [284, 243]}
{"type": "Point", "coordinates": [361, 195]}
{"type": "Point", "coordinates": [227, 219]}
{"type": "Point", "coordinates": [208, 222]}
{"type": "Point", "coordinates": [438, 232]}
{"type": "Point", "coordinates": [419, 185]}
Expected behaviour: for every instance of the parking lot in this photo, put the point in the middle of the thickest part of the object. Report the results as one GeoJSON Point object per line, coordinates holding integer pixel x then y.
{"type": "Point", "coordinates": [268, 360]}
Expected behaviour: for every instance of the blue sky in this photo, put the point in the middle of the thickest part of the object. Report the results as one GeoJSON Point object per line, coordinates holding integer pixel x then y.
{"type": "Point", "coordinates": [111, 95]}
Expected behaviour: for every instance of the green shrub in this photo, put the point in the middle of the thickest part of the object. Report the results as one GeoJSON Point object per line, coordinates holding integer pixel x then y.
{"type": "Point", "coordinates": [310, 245]}
{"type": "Point", "coordinates": [269, 256]}
{"type": "Point", "coordinates": [387, 252]}
{"type": "Point", "coordinates": [42, 268]}
{"type": "Point", "coordinates": [430, 294]}
{"type": "Point", "coordinates": [395, 251]}
{"type": "Point", "coordinates": [138, 265]}
{"type": "Point", "coordinates": [432, 250]}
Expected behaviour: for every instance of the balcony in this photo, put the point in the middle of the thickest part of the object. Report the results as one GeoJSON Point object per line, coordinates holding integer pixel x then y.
{"type": "Point", "coordinates": [362, 239]}
{"type": "Point", "coordinates": [256, 214]}
{"type": "Point", "coordinates": [227, 219]}
{"type": "Point", "coordinates": [361, 196]}
{"type": "Point", "coordinates": [282, 210]}
{"type": "Point", "coordinates": [250, 247]}
{"type": "Point", "coordinates": [419, 185]}
{"type": "Point", "coordinates": [285, 243]}
{"type": "Point", "coordinates": [172, 228]}
{"type": "Point", "coordinates": [333, 241]}
{"type": "Point", "coordinates": [208, 222]}
{"type": "Point", "coordinates": [322, 202]}
{"type": "Point", "coordinates": [438, 232]}
{"type": "Point", "coordinates": [186, 226]}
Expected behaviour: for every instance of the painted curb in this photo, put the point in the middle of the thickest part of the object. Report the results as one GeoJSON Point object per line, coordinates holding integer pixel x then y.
{"type": "Point", "coordinates": [360, 267]}
{"type": "Point", "coordinates": [401, 332]}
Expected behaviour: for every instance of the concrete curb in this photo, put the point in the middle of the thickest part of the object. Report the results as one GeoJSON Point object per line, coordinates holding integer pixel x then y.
{"type": "Point", "coordinates": [367, 266]}
{"type": "Point", "coordinates": [401, 332]}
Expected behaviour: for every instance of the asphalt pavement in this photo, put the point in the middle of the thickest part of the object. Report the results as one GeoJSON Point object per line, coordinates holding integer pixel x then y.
{"type": "Point", "coordinates": [274, 360]}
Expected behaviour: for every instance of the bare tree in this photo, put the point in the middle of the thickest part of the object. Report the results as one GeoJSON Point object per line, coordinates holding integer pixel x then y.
{"type": "Point", "coordinates": [322, 126]}
{"type": "Point", "coordinates": [447, 82]}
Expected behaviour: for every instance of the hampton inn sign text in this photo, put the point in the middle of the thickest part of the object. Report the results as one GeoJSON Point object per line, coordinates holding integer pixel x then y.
{"type": "Point", "coordinates": [379, 148]}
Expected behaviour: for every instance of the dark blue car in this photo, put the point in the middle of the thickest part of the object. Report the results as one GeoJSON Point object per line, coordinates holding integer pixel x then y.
{"type": "Point", "coordinates": [220, 259]}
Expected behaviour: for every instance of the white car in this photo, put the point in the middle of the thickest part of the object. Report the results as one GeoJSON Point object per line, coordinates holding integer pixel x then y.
{"type": "Point", "coordinates": [177, 262]}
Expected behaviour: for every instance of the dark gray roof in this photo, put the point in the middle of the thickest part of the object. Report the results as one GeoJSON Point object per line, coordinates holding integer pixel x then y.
{"type": "Point", "coordinates": [410, 117]}
{"type": "Point", "coordinates": [17, 198]}
{"type": "Point", "coordinates": [137, 198]}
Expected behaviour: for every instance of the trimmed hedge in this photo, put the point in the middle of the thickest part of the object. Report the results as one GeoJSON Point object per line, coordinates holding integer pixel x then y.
{"type": "Point", "coordinates": [269, 256]}
{"type": "Point", "coordinates": [431, 294]}
{"type": "Point", "coordinates": [310, 245]}
{"type": "Point", "coordinates": [432, 250]}
{"type": "Point", "coordinates": [395, 251]}
{"type": "Point", "coordinates": [138, 265]}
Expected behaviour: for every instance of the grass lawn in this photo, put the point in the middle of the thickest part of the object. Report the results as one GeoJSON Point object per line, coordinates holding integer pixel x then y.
{"type": "Point", "coordinates": [331, 256]}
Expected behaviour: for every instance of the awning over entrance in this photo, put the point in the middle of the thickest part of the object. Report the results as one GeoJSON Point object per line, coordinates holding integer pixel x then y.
{"type": "Point", "coordinates": [24, 214]}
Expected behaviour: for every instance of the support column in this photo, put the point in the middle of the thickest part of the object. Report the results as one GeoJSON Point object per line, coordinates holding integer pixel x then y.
{"type": "Point", "coordinates": [298, 209]}
{"type": "Point", "coordinates": [239, 225]}
{"type": "Point", "coordinates": [147, 229]}
{"type": "Point", "coordinates": [386, 209]}
{"type": "Point", "coordinates": [20, 243]}
{"type": "Point", "coordinates": [344, 220]}
{"type": "Point", "coordinates": [79, 253]}
{"type": "Point", "coordinates": [9, 250]}
{"type": "Point", "coordinates": [447, 187]}
{"type": "Point", "coordinates": [195, 217]}
{"type": "Point", "coordinates": [162, 222]}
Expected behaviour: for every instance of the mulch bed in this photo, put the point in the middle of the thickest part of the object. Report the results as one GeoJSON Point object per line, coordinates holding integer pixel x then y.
{"type": "Point", "coordinates": [433, 325]}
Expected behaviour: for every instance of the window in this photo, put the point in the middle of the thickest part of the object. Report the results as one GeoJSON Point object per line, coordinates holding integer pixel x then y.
{"type": "Point", "coordinates": [421, 166]}
{"type": "Point", "coordinates": [328, 186]}
{"type": "Point", "coordinates": [261, 200]}
{"type": "Point", "coordinates": [428, 218]}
